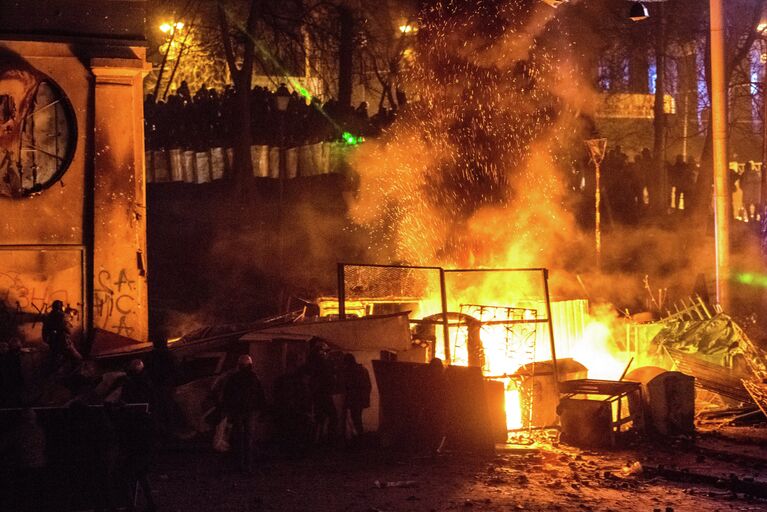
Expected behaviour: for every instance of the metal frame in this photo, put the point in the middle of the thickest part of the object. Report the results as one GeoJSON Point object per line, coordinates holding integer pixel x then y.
{"type": "Point", "coordinates": [443, 296]}
{"type": "Point", "coordinates": [609, 392]}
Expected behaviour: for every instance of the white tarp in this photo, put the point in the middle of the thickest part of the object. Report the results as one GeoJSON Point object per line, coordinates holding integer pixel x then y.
{"type": "Point", "coordinates": [384, 332]}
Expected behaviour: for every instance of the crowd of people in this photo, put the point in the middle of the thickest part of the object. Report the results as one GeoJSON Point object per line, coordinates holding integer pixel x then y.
{"type": "Point", "coordinates": [302, 411]}
{"type": "Point", "coordinates": [76, 458]}
{"type": "Point", "coordinates": [632, 186]}
{"type": "Point", "coordinates": [106, 422]}
{"type": "Point", "coordinates": [94, 446]}
{"type": "Point", "coordinates": [208, 119]}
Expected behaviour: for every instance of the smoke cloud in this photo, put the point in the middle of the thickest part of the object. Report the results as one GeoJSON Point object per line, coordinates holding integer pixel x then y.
{"type": "Point", "coordinates": [477, 170]}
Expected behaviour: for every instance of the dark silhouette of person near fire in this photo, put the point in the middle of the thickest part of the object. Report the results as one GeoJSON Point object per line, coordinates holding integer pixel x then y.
{"type": "Point", "coordinates": [243, 401]}
{"type": "Point", "coordinates": [357, 389]}
{"type": "Point", "coordinates": [322, 383]}
{"type": "Point", "coordinates": [293, 408]}
{"type": "Point", "coordinates": [57, 335]}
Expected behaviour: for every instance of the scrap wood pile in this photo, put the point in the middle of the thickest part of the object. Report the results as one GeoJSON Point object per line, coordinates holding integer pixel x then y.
{"type": "Point", "coordinates": [715, 350]}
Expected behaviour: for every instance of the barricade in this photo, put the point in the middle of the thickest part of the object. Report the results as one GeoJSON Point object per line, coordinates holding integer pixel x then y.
{"type": "Point", "coordinates": [217, 163]}
{"type": "Point", "coordinates": [176, 165]}
{"type": "Point", "coordinates": [180, 165]}
{"type": "Point", "coordinates": [202, 164]}
{"type": "Point", "coordinates": [188, 167]}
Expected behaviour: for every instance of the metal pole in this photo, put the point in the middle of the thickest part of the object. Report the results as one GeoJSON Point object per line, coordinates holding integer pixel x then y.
{"type": "Point", "coordinates": [659, 114]}
{"type": "Point", "coordinates": [341, 292]}
{"type": "Point", "coordinates": [445, 326]}
{"type": "Point", "coordinates": [763, 172]}
{"type": "Point", "coordinates": [281, 210]}
{"type": "Point", "coordinates": [597, 216]}
{"type": "Point", "coordinates": [722, 210]}
{"type": "Point", "coordinates": [164, 62]}
{"type": "Point", "coordinates": [554, 366]}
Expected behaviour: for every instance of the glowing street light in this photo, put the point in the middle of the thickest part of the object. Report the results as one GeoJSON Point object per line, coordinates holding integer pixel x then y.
{"type": "Point", "coordinates": [638, 12]}
{"type": "Point", "coordinates": [171, 27]}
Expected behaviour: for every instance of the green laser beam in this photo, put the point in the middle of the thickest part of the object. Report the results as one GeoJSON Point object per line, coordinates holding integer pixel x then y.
{"type": "Point", "coordinates": [752, 279]}
{"type": "Point", "coordinates": [303, 91]}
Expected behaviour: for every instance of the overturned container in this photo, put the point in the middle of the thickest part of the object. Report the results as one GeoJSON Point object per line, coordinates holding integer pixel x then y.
{"type": "Point", "coordinates": [669, 400]}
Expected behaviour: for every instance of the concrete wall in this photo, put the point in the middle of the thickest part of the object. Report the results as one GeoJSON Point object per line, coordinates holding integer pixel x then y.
{"type": "Point", "coordinates": [83, 239]}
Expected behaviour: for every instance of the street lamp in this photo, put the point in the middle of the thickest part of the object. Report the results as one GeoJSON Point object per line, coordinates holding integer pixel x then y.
{"type": "Point", "coordinates": [638, 12]}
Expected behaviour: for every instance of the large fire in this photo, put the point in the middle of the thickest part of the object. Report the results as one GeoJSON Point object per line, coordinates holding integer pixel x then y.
{"type": "Point", "coordinates": [476, 172]}
{"type": "Point", "coordinates": [589, 338]}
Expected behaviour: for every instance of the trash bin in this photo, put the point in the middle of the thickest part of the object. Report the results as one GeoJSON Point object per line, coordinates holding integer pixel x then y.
{"type": "Point", "coordinates": [537, 386]}
{"type": "Point", "coordinates": [669, 399]}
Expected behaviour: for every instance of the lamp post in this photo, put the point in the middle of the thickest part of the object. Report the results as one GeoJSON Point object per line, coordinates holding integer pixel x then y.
{"type": "Point", "coordinates": [763, 174]}
{"type": "Point", "coordinates": [282, 99]}
{"type": "Point", "coordinates": [597, 149]}
{"type": "Point", "coordinates": [722, 211]}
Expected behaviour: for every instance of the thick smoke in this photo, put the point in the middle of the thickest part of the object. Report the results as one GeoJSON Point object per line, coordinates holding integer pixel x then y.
{"type": "Point", "coordinates": [473, 172]}
{"type": "Point", "coordinates": [477, 171]}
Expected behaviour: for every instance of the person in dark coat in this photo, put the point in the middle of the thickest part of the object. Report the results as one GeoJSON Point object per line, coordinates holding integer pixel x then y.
{"type": "Point", "coordinates": [11, 375]}
{"type": "Point", "coordinates": [357, 391]}
{"type": "Point", "coordinates": [292, 408]}
{"type": "Point", "coordinates": [435, 418]}
{"type": "Point", "coordinates": [135, 434]}
{"type": "Point", "coordinates": [56, 334]}
{"type": "Point", "coordinates": [243, 400]}
{"type": "Point", "coordinates": [137, 388]}
{"type": "Point", "coordinates": [23, 451]}
{"type": "Point", "coordinates": [322, 381]}
{"type": "Point", "coordinates": [90, 458]}
{"type": "Point", "coordinates": [162, 371]}
{"type": "Point", "coordinates": [679, 177]}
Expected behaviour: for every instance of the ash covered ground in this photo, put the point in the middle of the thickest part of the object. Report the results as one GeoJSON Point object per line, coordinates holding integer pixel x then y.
{"type": "Point", "coordinates": [720, 470]}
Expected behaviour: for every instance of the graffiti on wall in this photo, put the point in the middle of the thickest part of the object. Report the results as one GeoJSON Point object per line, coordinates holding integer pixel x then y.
{"type": "Point", "coordinates": [114, 300]}
{"type": "Point", "coordinates": [16, 292]}
{"type": "Point", "coordinates": [25, 297]}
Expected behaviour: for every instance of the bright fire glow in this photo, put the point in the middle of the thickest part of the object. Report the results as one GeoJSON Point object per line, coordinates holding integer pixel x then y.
{"type": "Point", "coordinates": [588, 339]}
{"type": "Point", "coordinates": [597, 351]}
{"type": "Point", "coordinates": [407, 29]}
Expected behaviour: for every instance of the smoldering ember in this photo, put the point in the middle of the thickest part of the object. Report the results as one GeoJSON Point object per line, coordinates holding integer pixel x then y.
{"type": "Point", "coordinates": [391, 255]}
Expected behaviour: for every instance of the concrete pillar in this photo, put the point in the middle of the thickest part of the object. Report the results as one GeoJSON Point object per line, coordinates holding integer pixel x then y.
{"type": "Point", "coordinates": [119, 301]}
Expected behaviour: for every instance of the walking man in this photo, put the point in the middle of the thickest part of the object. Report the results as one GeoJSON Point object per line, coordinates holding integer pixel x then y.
{"type": "Point", "coordinates": [243, 399]}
